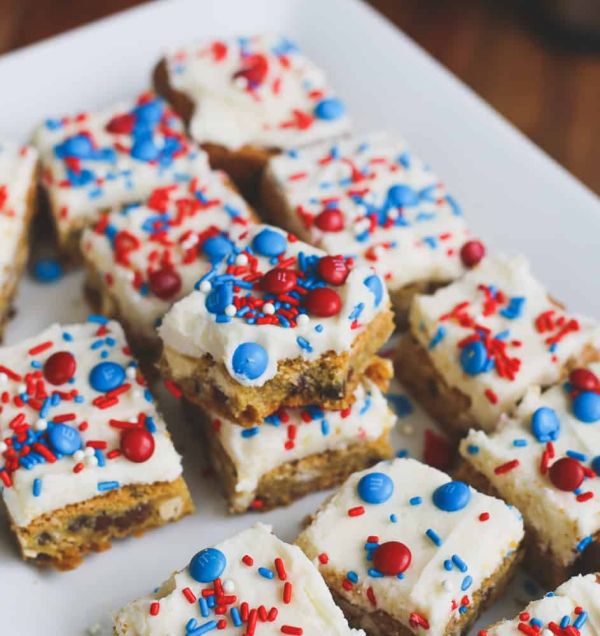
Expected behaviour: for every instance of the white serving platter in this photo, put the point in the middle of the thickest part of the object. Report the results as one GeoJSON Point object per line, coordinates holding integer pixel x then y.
{"type": "Point", "coordinates": [516, 198]}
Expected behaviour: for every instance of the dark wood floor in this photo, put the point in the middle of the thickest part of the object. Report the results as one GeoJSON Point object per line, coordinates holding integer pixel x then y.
{"type": "Point", "coordinates": [551, 93]}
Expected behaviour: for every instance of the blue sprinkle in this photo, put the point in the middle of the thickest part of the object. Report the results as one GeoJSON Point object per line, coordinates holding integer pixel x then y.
{"type": "Point", "coordinates": [545, 425]}
{"type": "Point", "coordinates": [514, 309]}
{"type": "Point", "coordinates": [104, 486]}
{"type": "Point", "coordinates": [577, 455]}
{"type": "Point", "coordinates": [472, 449]}
{"type": "Point", "coordinates": [580, 620]}
{"type": "Point", "coordinates": [250, 432]}
{"type": "Point", "coordinates": [434, 537]}
{"type": "Point", "coordinates": [266, 573]}
{"type": "Point", "coordinates": [37, 487]}
{"type": "Point", "coordinates": [583, 544]}
{"type": "Point", "coordinates": [393, 518]}
{"type": "Point", "coordinates": [304, 344]}
{"type": "Point", "coordinates": [519, 443]}
{"type": "Point", "coordinates": [47, 270]}
{"type": "Point", "coordinates": [373, 573]}
{"type": "Point", "coordinates": [565, 622]}
{"type": "Point", "coordinates": [203, 607]}
{"type": "Point", "coordinates": [352, 576]}
{"type": "Point", "coordinates": [437, 338]}
{"type": "Point", "coordinates": [459, 563]}
{"type": "Point", "coordinates": [448, 565]}
{"type": "Point", "coordinates": [415, 501]}
{"type": "Point", "coordinates": [466, 583]}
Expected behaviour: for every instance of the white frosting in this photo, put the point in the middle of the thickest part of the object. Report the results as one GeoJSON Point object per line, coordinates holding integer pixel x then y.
{"type": "Point", "coordinates": [427, 589]}
{"type": "Point", "coordinates": [191, 329]}
{"type": "Point", "coordinates": [59, 485]}
{"type": "Point", "coordinates": [418, 241]}
{"type": "Point", "coordinates": [184, 222]}
{"type": "Point", "coordinates": [311, 607]}
{"type": "Point", "coordinates": [578, 593]}
{"type": "Point", "coordinates": [113, 176]}
{"type": "Point", "coordinates": [17, 171]}
{"type": "Point", "coordinates": [275, 109]}
{"type": "Point", "coordinates": [258, 450]}
{"type": "Point", "coordinates": [560, 520]}
{"type": "Point", "coordinates": [540, 363]}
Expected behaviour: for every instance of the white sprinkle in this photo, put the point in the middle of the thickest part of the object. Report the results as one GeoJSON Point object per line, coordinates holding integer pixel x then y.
{"type": "Point", "coordinates": [3, 378]}
{"type": "Point", "coordinates": [21, 388]}
{"type": "Point", "coordinates": [3, 447]}
{"type": "Point", "coordinates": [228, 586]}
{"type": "Point", "coordinates": [91, 461]}
{"type": "Point", "coordinates": [302, 319]}
{"type": "Point", "coordinates": [205, 286]}
{"type": "Point", "coordinates": [230, 310]}
{"type": "Point", "coordinates": [241, 259]}
{"type": "Point", "coordinates": [131, 372]}
{"type": "Point", "coordinates": [269, 309]}
{"type": "Point", "coordinates": [78, 455]}
{"type": "Point", "coordinates": [41, 425]}
{"type": "Point", "coordinates": [89, 451]}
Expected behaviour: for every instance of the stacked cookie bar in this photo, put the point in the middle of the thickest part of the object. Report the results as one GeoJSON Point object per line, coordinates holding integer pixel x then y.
{"type": "Point", "coordinates": [247, 98]}
{"type": "Point", "coordinates": [84, 455]}
{"type": "Point", "coordinates": [277, 347]}
{"type": "Point", "coordinates": [369, 198]}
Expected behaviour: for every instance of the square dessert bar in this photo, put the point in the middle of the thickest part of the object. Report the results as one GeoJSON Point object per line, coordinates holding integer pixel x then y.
{"type": "Point", "coordinates": [296, 451]}
{"type": "Point", "coordinates": [84, 455]}
{"type": "Point", "coordinates": [252, 583]}
{"type": "Point", "coordinates": [573, 610]}
{"type": "Point", "coordinates": [275, 323]}
{"type": "Point", "coordinates": [476, 346]}
{"type": "Point", "coordinates": [144, 256]}
{"type": "Point", "coordinates": [95, 161]}
{"type": "Point", "coordinates": [247, 98]}
{"type": "Point", "coordinates": [368, 197]}
{"type": "Point", "coordinates": [18, 171]}
{"type": "Point", "coordinates": [405, 550]}
{"type": "Point", "coordinates": [545, 460]}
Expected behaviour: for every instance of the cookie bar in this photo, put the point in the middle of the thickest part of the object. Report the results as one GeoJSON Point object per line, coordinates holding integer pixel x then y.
{"type": "Point", "coordinates": [476, 346]}
{"type": "Point", "coordinates": [18, 171]}
{"type": "Point", "coordinates": [95, 161]}
{"type": "Point", "coordinates": [368, 197]}
{"type": "Point", "coordinates": [297, 451]}
{"type": "Point", "coordinates": [545, 460]}
{"type": "Point", "coordinates": [574, 609]}
{"type": "Point", "coordinates": [275, 323]}
{"type": "Point", "coordinates": [250, 583]}
{"type": "Point", "coordinates": [141, 258]}
{"type": "Point", "coordinates": [405, 550]}
{"type": "Point", "coordinates": [247, 98]}
{"type": "Point", "coordinates": [84, 455]}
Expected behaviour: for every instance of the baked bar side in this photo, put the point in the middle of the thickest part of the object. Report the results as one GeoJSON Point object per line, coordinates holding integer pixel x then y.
{"type": "Point", "coordinates": [328, 381]}
{"type": "Point", "coordinates": [61, 538]}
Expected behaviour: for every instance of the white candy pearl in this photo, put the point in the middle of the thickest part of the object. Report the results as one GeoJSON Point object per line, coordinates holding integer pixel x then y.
{"type": "Point", "coordinates": [89, 451]}
{"type": "Point", "coordinates": [241, 259]}
{"type": "Point", "coordinates": [3, 447]}
{"type": "Point", "coordinates": [302, 319]}
{"type": "Point", "coordinates": [230, 310]}
{"type": "Point", "coordinates": [205, 286]}
{"type": "Point", "coordinates": [41, 425]}
{"type": "Point", "coordinates": [91, 461]}
{"type": "Point", "coordinates": [3, 378]}
{"type": "Point", "coordinates": [269, 309]}
{"type": "Point", "coordinates": [228, 586]}
{"type": "Point", "coordinates": [78, 455]}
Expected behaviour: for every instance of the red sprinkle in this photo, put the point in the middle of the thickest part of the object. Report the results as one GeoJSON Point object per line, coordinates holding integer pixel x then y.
{"type": "Point", "coordinates": [505, 468]}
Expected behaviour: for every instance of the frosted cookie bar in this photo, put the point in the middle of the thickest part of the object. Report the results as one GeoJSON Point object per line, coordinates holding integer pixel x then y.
{"type": "Point", "coordinates": [296, 451]}
{"type": "Point", "coordinates": [405, 550]}
{"type": "Point", "coordinates": [368, 197]}
{"type": "Point", "coordinates": [477, 345]}
{"type": "Point", "coordinates": [84, 455]}
{"type": "Point", "coordinates": [249, 97]}
{"type": "Point", "coordinates": [18, 172]}
{"type": "Point", "coordinates": [574, 609]}
{"type": "Point", "coordinates": [98, 160]}
{"type": "Point", "coordinates": [275, 323]}
{"type": "Point", "coordinates": [252, 583]}
{"type": "Point", "coordinates": [144, 256]}
{"type": "Point", "coordinates": [546, 461]}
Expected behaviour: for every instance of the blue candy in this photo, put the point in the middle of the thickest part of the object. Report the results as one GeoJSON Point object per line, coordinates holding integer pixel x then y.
{"type": "Point", "coordinates": [150, 112]}
{"type": "Point", "coordinates": [374, 283]}
{"type": "Point", "coordinates": [545, 424]}
{"type": "Point", "coordinates": [77, 147]}
{"type": "Point", "coordinates": [402, 196]}
{"type": "Point", "coordinates": [596, 465]}
{"type": "Point", "coordinates": [64, 439]}
{"type": "Point", "coordinates": [219, 298]}
{"type": "Point", "coordinates": [249, 360]}
{"type": "Point", "coordinates": [473, 358]}
{"type": "Point", "coordinates": [217, 248]}
{"type": "Point", "coordinates": [207, 565]}
{"type": "Point", "coordinates": [453, 496]}
{"type": "Point", "coordinates": [586, 407]}
{"type": "Point", "coordinates": [47, 270]}
{"type": "Point", "coordinates": [107, 376]}
{"type": "Point", "coordinates": [269, 243]}
{"type": "Point", "coordinates": [145, 149]}
{"type": "Point", "coordinates": [375, 488]}
{"type": "Point", "coordinates": [329, 109]}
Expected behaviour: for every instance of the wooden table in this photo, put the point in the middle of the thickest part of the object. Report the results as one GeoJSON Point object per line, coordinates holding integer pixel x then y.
{"type": "Point", "coordinates": [552, 95]}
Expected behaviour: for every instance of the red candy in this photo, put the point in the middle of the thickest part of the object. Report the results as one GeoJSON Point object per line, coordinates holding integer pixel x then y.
{"type": "Point", "coordinates": [566, 474]}
{"type": "Point", "coordinates": [584, 380]}
{"type": "Point", "coordinates": [59, 367]}
{"type": "Point", "coordinates": [330, 220]}
{"type": "Point", "coordinates": [391, 558]}
{"type": "Point", "coordinates": [254, 70]}
{"type": "Point", "coordinates": [121, 124]}
{"type": "Point", "coordinates": [323, 302]}
{"type": "Point", "coordinates": [165, 283]}
{"type": "Point", "coordinates": [472, 252]}
{"type": "Point", "coordinates": [137, 444]}
{"type": "Point", "coordinates": [333, 270]}
{"type": "Point", "coordinates": [279, 281]}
